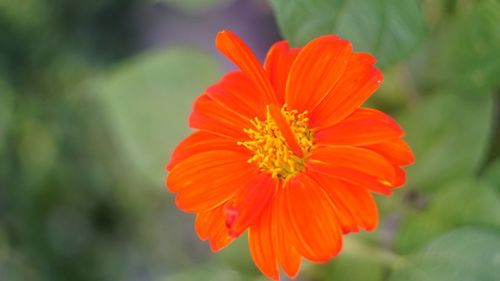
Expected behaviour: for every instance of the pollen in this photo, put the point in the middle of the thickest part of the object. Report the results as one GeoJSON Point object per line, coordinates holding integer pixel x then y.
{"type": "Point", "coordinates": [272, 154]}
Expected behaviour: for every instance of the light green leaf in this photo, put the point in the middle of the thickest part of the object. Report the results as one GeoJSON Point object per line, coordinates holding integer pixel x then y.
{"type": "Point", "coordinates": [449, 135]}
{"type": "Point", "coordinates": [390, 29]}
{"type": "Point", "coordinates": [148, 100]}
{"type": "Point", "coordinates": [461, 202]}
{"type": "Point", "coordinates": [470, 50]}
{"type": "Point", "coordinates": [460, 255]}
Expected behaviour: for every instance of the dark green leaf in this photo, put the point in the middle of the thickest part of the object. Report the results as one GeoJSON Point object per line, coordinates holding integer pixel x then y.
{"type": "Point", "coordinates": [390, 29]}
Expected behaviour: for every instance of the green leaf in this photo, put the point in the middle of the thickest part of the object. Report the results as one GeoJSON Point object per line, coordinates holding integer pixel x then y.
{"type": "Point", "coordinates": [449, 134]}
{"type": "Point", "coordinates": [390, 29]}
{"type": "Point", "coordinates": [461, 255]}
{"type": "Point", "coordinates": [462, 202]}
{"type": "Point", "coordinates": [148, 100]}
{"type": "Point", "coordinates": [470, 49]}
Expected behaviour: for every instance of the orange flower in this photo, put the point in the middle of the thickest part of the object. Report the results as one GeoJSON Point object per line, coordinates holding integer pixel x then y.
{"type": "Point", "coordinates": [285, 151]}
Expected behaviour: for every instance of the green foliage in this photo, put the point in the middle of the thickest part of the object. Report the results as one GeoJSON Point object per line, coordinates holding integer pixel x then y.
{"type": "Point", "coordinates": [341, 269]}
{"type": "Point", "coordinates": [87, 123]}
{"type": "Point", "coordinates": [470, 50]}
{"type": "Point", "coordinates": [462, 255]}
{"type": "Point", "coordinates": [5, 111]}
{"type": "Point", "coordinates": [492, 174]}
{"type": "Point", "coordinates": [390, 29]}
{"type": "Point", "coordinates": [449, 134]}
{"type": "Point", "coordinates": [164, 83]}
{"type": "Point", "coordinates": [447, 209]}
{"type": "Point", "coordinates": [209, 274]}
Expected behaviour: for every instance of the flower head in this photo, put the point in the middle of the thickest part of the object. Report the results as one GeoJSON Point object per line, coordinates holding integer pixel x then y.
{"type": "Point", "coordinates": [286, 152]}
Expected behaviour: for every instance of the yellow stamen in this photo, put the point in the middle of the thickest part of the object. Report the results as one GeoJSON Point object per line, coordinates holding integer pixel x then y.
{"type": "Point", "coordinates": [271, 151]}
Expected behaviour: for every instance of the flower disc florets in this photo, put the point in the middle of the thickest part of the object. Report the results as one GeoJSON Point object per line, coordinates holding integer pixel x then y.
{"type": "Point", "coordinates": [271, 151]}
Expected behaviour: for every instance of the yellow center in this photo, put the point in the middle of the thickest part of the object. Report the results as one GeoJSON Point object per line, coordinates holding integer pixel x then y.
{"type": "Point", "coordinates": [271, 151]}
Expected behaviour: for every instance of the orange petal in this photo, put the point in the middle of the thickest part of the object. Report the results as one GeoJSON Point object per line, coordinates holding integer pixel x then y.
{"type": "Point", "coordinates": [355, 206]}
{"type": "Point", "coordinates": [363, 127]}
{"type": "Point", "coordinates": [202, 181]}
{"type": "Point", "coordinates": [261, 244]}
{"type": "Point", "coordinates": [218, 118]}
{"type": "Point", "coordinates": [247, 204]}
{"type": "Point", "coordinates": [278, 62]}
{"type": "Point", "coordinates": [400, 177]}
{"type": "Point", "coordinates": [356, 165]}
{"type": "Point", "coordinates": [241, 55]}
{"type": "Point", "coordinates": [288, 256]}
{"type": "Point", "coordinates": [313, 226]}
{"type": "Point", "coordinates": [210, 226]}
{"type": "Point", "coordinates": [316, 70]}
{"type": "Point", "coordinates": [238, 93]}
{"type": "Point", "coordinates": [356, 159]}
{"type": "Point", "coordinates": [202, 141]}
{"type": "Point", "coordinates": [354, 177]}
{"type": "Point", "coordinates": [285, 130]}
{"type": "Point", "coordinates": [395, 150]}
{"type": "Point", "coordinates": [358, 82]}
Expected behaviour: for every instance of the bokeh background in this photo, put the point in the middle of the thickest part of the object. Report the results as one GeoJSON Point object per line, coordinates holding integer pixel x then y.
{"type": "Point", "coordinates": [95, 94]}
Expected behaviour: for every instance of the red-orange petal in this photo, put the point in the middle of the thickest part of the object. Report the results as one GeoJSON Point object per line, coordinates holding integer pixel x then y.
{"type": "Point", "coordinates": [354, 158]}
{"type": "Point", "coordinates": [358, 82]}
{"type": "Point", "coordinates": [278, 62]}
{"type": "Point", "coordinates": [285, 130]}
{"type": "Point", "coordinates": [315, 71]}
{"type": "Point", "coordinates": [260, 241]}
{"type": "Point", "coordinates": [355, 206]}
{"type": "Point", "coordinates": [363, 127]}
{"type": "Point", "coordinates": [202, 181]}
{"type": "Point", "coordinates": [288, 257]}
{"type": "Point", "coordinates": [248, 203]}
{"type": "Point", "coordinates": [241, 55]}
{"type": "Point", "coordinates": [395, 150]}
{"type": "Point", "coordinates": [313, 226]}
{"type": "Point", "coordinates": [238, 92]}
{"type": "Point", "coordinates": [210, 226]}
{"type": "Point", "coordinates": [212, 116]}
{"type": "Point", "coordinates": [355, 165]}
{"type": "Point", "coordinates": [201, 141]}
{"type": "Point", "coordinates": [400, 177]}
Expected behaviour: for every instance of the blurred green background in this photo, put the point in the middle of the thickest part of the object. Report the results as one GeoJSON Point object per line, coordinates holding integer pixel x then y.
{"type": "Point", "coordinates": [95, 94]}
